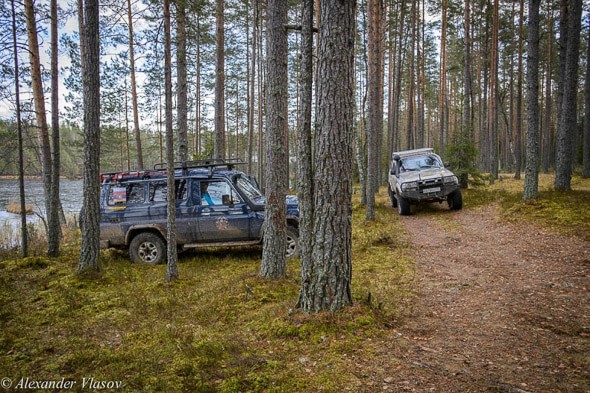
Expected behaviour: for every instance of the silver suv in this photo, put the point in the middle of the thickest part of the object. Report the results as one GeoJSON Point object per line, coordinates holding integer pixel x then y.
{"type": "Point", "coordinates": [419, 175]}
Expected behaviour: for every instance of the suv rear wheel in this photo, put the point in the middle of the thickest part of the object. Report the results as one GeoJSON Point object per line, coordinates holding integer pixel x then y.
{"type": "Point", "coordinates": [147, 247]}
{"type": "Point", "coordinates": [292, 242]}
{"type": "Point", "coordinates": [455, 200]}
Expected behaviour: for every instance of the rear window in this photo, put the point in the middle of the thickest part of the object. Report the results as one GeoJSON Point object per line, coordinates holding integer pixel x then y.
{"type": "Point", "coordinates": [126, 194]}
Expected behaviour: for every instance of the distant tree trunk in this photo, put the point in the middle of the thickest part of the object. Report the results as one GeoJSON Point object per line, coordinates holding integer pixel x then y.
{"type": "Point", "coordinates": [53, 219]}
{"type": "Point", "coordinates": [467, 123]}
{"type": "Point", "coordinates": [518, 132]}
{"type": "Point", "coordinates": [260, 99]}
{"type": "Point", "coordinates": [198, 91]}
{"type": "Point", "coordinates": [443, 79]}
{"type": "Point", "coordinates": [398, 79]}
{"type": "Point", "coordinates": [328, 288]}
{"type": "Point", "coordinates": [19, 129]}
{"type": "Point", "coordinates": [136, 130]}
{"type": "Point", "coordinates": [251, 73]}
{"type": "Point", "coordinates": [219, 146]}
{"type": "Point", "coordinates": [89, 254]}
{"type": "Point", "coordinates": [53, 228]}
{"type": "Point", "coordinates": [181, 87]}
{"type": "Point", "coordinates": [494, 96]}
{"type": "Point", "coordinates": [561, 55]}
{"type": "Point", "coordinates": [586, 152]}
{"type": "Point", "coordinates": [304, 144]}
{"type": "Point", "coordinates": [273, 252]}
{"type": "Point", "coordinates": [171, 266]}
{"type": "Point", "coordinates": [375, 113]}
{"type": "Point", "coordinates": [531, 178]}
{"type": "Point", "coordinates": [411, 81]}
{"type": "Point", "coordinates": [567, 129]}
{"type": "Point", "coordinates": [547, 124]}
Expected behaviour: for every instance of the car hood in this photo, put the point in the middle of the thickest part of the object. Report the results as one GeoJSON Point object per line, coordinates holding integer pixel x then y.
{"type": "Point", "coordinates": [291, 201]}
{"type": "Point", "coordinates": [433, 173]}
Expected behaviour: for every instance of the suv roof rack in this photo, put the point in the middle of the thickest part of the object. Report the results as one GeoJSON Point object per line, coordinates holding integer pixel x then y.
{"type": "Point", "coordinates": [210, 164]}
{"type": "Point", "coordinates": [128, 175]}
{"type": "Point", "coordinates": [408, 153]}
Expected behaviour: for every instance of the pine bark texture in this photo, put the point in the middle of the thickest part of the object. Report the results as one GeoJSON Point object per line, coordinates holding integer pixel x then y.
{"type": "Point", "coordinates": [41, 118]}
{"type": "Point", "coordinates": [567, 129]}
{"type": "Point", "coordinates": [53, 218]}
{"type": "Point", "coordinates": [375, 109]}
{"type": "Point", "coordinates": [19, 129]}
{"type": "Point", "coordinates": [519, 83]}
{"type": "Point", "coordinates": [136, 130]}
{"type": "Point", "coordinates": [531, 177]}
{"type": "Point", "coordinates": [304, 143]}
{"type": "Point", "coordinates": [181, 78]}
{"type": "Point", "coordinates": [274, 264]}
{"type": "Point", "coordinates": [219, 146]}
{"type": "Point", "coordinates": [331, 269]}
{"type": "Point", "coordinates": [172, 257]}
{"type": "Point", "coordinates": [90, 220]}
{"type": "Point", "coordinates": [586, 143]}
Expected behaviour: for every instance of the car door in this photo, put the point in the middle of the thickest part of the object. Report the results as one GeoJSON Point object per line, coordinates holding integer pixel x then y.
{"type": "Point", "coordinates": [223, 216]}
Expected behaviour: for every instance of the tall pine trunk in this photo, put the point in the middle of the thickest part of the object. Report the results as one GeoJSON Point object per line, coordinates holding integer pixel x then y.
{"type": "Point", "coordinates": [567, 127]}
{"type": "Point", "coordinates": [19, 129]}
{"type": "Point", "coordinates": [375, 109]}
{"type": "Point", "coordinates": [172, 257]}
{"type": "Point", "coordinates": [134, 104]}
{"type": "Point", "coordinates": [274, 264]}
{"type": "Point", "coordinates": [90, 219]}
{"type": "Point", "coordinates": [181, 84]}
{"type": "Point", "coordinates": [219, 146]}
{"type": "Point", "coordinates": [328, 288]}
{"type": "Point", "coordinates": [305, 184]}
{"type": "Point", "coordinates": [586, 146]}
{"type": "Point", "coordinates": [531, 178]}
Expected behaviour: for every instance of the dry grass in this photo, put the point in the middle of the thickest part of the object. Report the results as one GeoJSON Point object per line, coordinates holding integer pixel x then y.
{"type": "Point", "coordinates": [219, 328]}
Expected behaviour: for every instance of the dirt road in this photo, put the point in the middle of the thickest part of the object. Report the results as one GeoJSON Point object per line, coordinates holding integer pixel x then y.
{"type": "Point", "coordinates": [502, 307]}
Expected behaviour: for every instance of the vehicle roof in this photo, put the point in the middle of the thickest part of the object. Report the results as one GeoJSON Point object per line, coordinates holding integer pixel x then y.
{"type": "Point", "coordinates": [201, 168]}
{"type": "Point", "coordinates": [414, 152]}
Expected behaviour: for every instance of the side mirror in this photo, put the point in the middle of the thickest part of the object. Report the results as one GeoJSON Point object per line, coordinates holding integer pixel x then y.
{"type": "Point", "coordinates": [226, 200]}
{"type": "Point", "coordinates": [396, 157]}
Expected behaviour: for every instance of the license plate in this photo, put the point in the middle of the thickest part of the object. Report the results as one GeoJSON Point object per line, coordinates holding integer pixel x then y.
{"type": "Point", "coordinates": [431, 190]}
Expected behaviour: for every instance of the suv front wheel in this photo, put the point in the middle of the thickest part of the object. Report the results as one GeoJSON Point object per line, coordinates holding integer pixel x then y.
{"type": "Point", "coordinates": [147, 247]}
{"type": "Point", "coordinates": [403, 206]}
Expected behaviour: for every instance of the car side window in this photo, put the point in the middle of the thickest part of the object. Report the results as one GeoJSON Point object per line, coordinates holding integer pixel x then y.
{"type": "Point", "coordinates": [215, 193]}
{"type": "Point", "coordinates": [159, 189]}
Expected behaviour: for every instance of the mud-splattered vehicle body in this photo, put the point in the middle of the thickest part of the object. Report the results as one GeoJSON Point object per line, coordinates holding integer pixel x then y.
{"type": "Point", "coordinates": [417, 176]}
{"type": "Point", "coordinates": [216, 206]}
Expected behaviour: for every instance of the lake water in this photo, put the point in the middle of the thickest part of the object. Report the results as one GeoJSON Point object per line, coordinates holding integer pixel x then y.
{"type": "Point", "coordinates": [70, 195]}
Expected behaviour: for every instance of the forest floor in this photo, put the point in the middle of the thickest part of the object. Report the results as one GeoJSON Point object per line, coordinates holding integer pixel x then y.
{"type": "Point", "coordinates": [501, 306]}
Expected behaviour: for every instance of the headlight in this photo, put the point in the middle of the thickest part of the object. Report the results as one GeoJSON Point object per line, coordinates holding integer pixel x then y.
{"type": "Point", "coordinates": [410, 186]}
{"type": "Point", "coordinates": [450, 180]}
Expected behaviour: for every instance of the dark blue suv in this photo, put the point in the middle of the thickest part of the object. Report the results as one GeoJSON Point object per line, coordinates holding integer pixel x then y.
{"type": "Point", "coordinates": [216, 205]}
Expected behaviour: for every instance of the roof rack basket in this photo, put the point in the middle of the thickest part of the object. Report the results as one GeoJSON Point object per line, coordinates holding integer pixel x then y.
{"type": "Point", "coordinates": [210, 163]}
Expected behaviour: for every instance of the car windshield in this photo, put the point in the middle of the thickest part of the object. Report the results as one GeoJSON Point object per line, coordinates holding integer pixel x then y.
{"type": "Point", "coordinates": [249, 189]}
{"type": "Point", "coordinates": [421, 162]}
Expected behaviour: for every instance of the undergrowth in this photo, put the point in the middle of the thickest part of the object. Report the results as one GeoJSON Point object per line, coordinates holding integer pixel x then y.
{"type": "Point", "coordinates": [565, 212]}
{"type": "Point", "coordinates": [218, 328]}
{"type": "Point", "coordinates": [221, 328]}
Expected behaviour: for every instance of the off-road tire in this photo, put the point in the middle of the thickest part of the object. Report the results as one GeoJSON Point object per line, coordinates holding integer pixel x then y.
{"type": "Point", "coordinates": [403, 206]}
{"type": "Point", "coordinates": [292, 242]}
{"type": "Point", "coordinates": [148, 248]}
{"type": "Point", "coordinates": [455, 200]}
{"type": "Point", "coordinates": [392, 197]}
